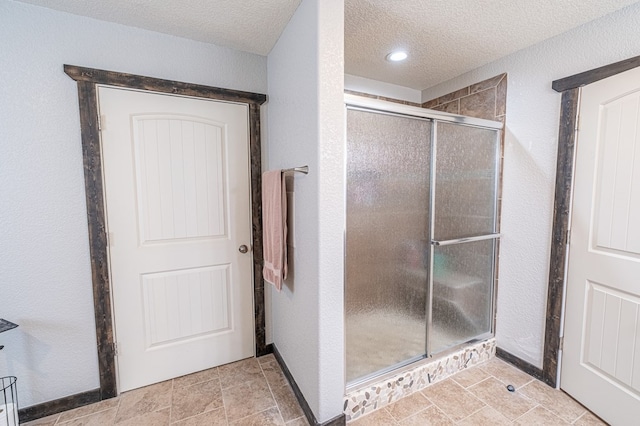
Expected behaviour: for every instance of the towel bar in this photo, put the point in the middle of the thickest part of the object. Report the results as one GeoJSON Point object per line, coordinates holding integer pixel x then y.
{"type": "Point", "coordinates": [303, 169]}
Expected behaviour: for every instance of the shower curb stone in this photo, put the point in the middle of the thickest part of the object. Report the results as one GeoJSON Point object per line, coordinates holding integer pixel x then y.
{"type": "Point", "coordinates": [373, 396]}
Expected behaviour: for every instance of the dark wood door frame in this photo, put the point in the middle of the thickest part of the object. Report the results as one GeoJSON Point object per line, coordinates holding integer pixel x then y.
{"type": "Point", "coordinates": [87, 79]}
{"type": "Point", "coordinates": [570, 89]}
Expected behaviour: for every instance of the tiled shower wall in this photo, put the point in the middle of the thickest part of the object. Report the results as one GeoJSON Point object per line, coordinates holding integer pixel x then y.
{"type": "Point", "coordinates": [486, 99]}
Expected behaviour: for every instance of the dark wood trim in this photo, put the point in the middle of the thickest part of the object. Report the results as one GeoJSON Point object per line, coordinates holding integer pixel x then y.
{"type": "Point", "coordinates": [311, 418]}
{"type": "Point", "coordinates": [87, 79]}
{"type": "Point", "coordinates": [520, 364]}
{"type": "Point", "coordinates": [59, 405]}
{"type": "Point", "coordinates": [120, 79]}
{"type": "Point", "coordinates": [94, 190]}
{"type": "Point", "coordinates": [561, 209]}
{"type": "Point", "coordinates": [596, 74]}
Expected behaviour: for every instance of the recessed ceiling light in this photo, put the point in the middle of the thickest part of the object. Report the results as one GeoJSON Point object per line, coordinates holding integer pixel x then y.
{"type": "Point", "coordinates": [397, 56]}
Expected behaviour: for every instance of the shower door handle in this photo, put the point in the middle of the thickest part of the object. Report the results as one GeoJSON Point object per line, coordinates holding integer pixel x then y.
{"type": "Point", "coordinates": [464, 240]}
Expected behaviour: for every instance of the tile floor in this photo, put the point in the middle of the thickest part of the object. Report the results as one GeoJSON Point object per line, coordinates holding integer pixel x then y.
{"type": "Point", "coordinates": [478, 396]}
{"type": "Point", "coordinates": [255, 392]}
{"type": "Point", "coordinates": [248, 392]}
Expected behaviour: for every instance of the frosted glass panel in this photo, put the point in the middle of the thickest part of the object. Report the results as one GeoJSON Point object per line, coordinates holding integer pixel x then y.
{"type": "Point", "coordinates": [387, 249]}
{"type": "Point", "coordinates": [462, 293]}
{"type": "Point", "coordinates": [465, 181]}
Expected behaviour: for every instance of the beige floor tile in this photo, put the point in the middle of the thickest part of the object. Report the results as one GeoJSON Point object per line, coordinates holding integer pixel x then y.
{"type": "Point", "coordinates": [267, 358]}
{"type": "Point", "coordinates": [485, 417]}
{"type": "Point", "coordinates": [470, 376]}
{"type": "Point", "coordinates": [287, 402]}
{"type": "Point", "coordinates": [506, 373]}
{"type": "Point", "coordinates": [88, 409]}
{"type": "Point", "coordinates": [589, 419]}
{"type": "Point", "coordinates": [456, 402]}
{"type": "Point", "coordinates": [273, 373]}
{"type": "Point", "coordinates": [239, 372]}
{"type": "Point", "coordinates": [199, 377]}
{"type": "Point", "coordinates": [430, 416]}
{"type": "Point", "coordinates": [247, 399]}
{"type": "Point", "coordinates": [300, 421]}
{"type": "Point", "coordinates": [156, 418]}
{"type": "Point", "coordinates": [495, 394]}
{"type": "Point", "coordinates": [144, 400]}
{"type": "Point", "coordinates": [377, 418]}
{"type": "Point", "coordinates": [195, 399]}
{"type": "Point", "coordinates": [556, 401]}
{"type": "Point", "coordinates": [408, 406]}
{"type": "Point", "coordinates": [539, 416]}
{"type": "Point", "coordinates": [101, 418]}
{"type": "Point", "coordinates": [44, 421]}
{"type": "Point", "coordinates": [215, 417]}
{"type": "Point", "coordinates": [264, 418]}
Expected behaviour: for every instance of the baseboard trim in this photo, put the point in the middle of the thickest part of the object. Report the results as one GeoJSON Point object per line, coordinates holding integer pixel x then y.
{"type": "Point", "coordinates": [59, 405]}
{"type": "Point", "coordinates": [336, 421]}
{"type": "Point", "coordinates": [520, 364]}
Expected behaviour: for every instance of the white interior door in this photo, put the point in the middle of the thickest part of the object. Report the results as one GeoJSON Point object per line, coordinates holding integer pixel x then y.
{"type": "Point", "coordinates": [178, 209]}
{"type": "Point", "coordinates": [601, 356]}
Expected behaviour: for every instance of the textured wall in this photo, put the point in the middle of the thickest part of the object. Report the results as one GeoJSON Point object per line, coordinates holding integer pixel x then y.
{"type": "Point", "coordinates": [529, 163]}
{"type": "Point", "coordinates": [45, 281]}
{"type": "Point", "coordinates": [306, 126]}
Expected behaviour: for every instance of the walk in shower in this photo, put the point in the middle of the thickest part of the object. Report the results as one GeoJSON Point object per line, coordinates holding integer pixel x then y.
{"type": "Point", "coordinates": [421, 233]}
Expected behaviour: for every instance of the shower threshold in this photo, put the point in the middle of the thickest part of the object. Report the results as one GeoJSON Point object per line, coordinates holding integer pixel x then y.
{"type": "Point", "coordinates": [369, 394]}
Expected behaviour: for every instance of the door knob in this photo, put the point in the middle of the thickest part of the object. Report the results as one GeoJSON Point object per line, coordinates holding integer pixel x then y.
{"type": "Point", "coordinates": [243, 249]}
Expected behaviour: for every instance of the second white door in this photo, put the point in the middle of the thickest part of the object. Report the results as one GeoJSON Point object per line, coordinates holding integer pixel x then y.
{"type": "Point", "coordinates": [601, 356]}
{"type": "Point", "coordinates": [178, 209]}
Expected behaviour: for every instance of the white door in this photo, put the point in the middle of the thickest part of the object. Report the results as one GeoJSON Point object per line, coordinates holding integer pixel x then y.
{"type": "Point", "coordinates": [601, 356]}
{"type": "Point", "coordinates": [177, 197]}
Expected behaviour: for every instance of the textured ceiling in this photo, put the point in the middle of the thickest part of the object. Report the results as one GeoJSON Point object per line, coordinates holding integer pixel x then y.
{"type": "Point", "coordinates": [444, 38]}
{"type": "Point", "coordinates": [249, 25]}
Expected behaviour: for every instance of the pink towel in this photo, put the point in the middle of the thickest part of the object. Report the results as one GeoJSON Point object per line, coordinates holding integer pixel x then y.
{"type": "Point", "coordinates": [274, 227]}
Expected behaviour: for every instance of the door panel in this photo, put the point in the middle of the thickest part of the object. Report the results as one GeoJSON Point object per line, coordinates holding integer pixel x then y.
{"type": "Point", "coordinates": [601, 355]}
{"type": "Point", "coordinates": [177, 194]}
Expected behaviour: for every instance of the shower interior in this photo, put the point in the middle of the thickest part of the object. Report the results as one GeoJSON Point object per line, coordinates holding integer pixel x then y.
{"type": "Point", "coordinates": [421, 234]}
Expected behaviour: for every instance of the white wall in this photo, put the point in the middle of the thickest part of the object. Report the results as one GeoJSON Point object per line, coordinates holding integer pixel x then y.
{"type": "Point", "coordinates": [306, 126]}
{"type": "Point", "coordinates": [45, 281]}
{"type": "Point", "coordinates": [530, 160]}
{"type": "Point", "coordinates": [380, 88]}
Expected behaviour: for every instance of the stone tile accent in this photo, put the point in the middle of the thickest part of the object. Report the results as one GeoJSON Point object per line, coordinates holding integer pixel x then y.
{"type": "Point", "coordinates": [413, 379]}
{"type": "Point", "coordinates": [486, 84]}
{"type": "Point", "coordinates": [382, 98]}
{"type": "Point", "coordinates": [453, 95]}
{"type": "Point", "coordinates": [486, 99]}
{"type": "Point", "coordinates": [480, 104]}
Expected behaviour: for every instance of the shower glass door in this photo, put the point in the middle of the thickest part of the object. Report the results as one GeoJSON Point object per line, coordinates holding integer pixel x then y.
{"type": "Point", "coordinates": [463, 233]}
{"type": "Point", "coordinates": [387, 241]}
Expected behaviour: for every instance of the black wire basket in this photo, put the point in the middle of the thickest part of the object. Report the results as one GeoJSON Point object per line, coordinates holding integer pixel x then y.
{"type": "Point", "coordinates": [8, 401]}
